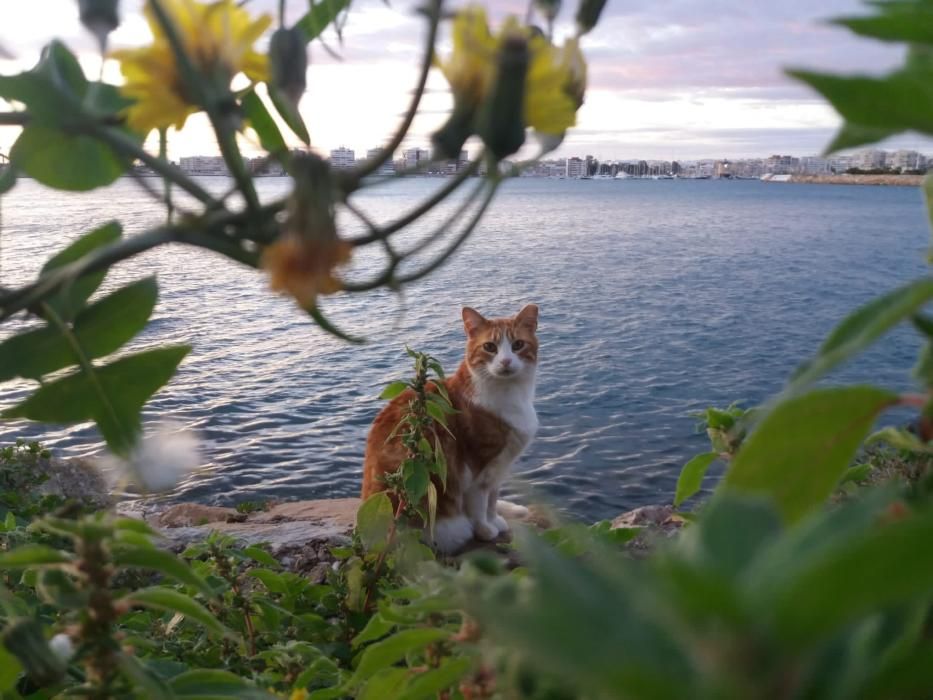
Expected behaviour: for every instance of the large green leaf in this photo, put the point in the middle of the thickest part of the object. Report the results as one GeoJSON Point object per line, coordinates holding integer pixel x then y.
{"type": "Point", "coordinates": [800, 450]}
{"type": "Point", "coordinates": [911, 23]}
{"type": "Point", "coordinates": [211, 684]}
{"type": "Point", "coordinates": [68, 301]}
{"type": "Point", "coordinates": [164, 562]}
{"type": "Point", "coordinates": [113, 397]}
{"type": "Point", "coordinates": [289, 113]}
{"type": "Point", "coordinates": [393, 649]}
{"type": "Point", "coordinates": [100, 329]}
{"type": "Point", "coordinates": [427, 685]}
{"type": "Point", "coordinates": [173, 601]}
{"type": "Point", "coordinates": [66, 161]}
{"type": "Point", "coordinates": [52, 90]}
{"type": "Point", "coordinates": [691, 476]}
{"type": "Point", "coordinates": [885, 566]}
{"type": "Point", "coordinates": [373, 520]}
{"type": "Point", "coordinates": [319, 16]}
{"type": "Point", "coordinates": [901, 101]}
{"type": "Point", "coordinates": [863, 327]}
{"type": "Point", "coordinates": [33, 555]}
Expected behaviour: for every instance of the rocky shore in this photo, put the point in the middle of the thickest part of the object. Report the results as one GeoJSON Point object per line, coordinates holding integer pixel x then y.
{"type": "Point", "coordinates": [844, 179]}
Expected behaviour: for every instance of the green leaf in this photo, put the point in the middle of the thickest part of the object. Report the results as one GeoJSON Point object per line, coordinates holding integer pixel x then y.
{"type": "Point", "coordinates": [153, 687]}
{"type": "Point", "coordinates": [387, 683]}
{"type": "Point", "coordinates": [373, 520]}
{"type": "Point", "coordinates": [393, 390]}
{"type": "Point", "coordinates": [436, 412]}
{"type": "Point", "coordinates": [863, 327]}
{"type": "Point", "coordinates": [416, 481]}
{"type": "Point", "coordinates": [211, 684]}
{"type": "Point", "coordinates": [69, 301]}
{"type": "Point", "coordinates": [289, 114]}
{"type": "Point", "coordinates": [100, 329]}
{"type": "Point", "coordinates": [10, 668]}
{"type": "Point", "coordinates": [440, 462]}
{"type": "Point", "coordinates": [801, 449]}
{"type": "Point", "coordinates": [912, 23]}
{"type": "Point", "coordinates": [163, 562]}
{"type": "Point", "coordinates": [860, 577]}
{"type": "Point", "coordinates": [262, 123]}
{"type": "Point", "coordinates": [691, 476]}
{"type": "Point", "coordinates": [321, 14]}
{"type": "Point", "coordinates": [33, 555]}
{"type": "Point", "coordinates": [270, 579]}
{"type": "Point", "coordinates": [126, 384]}
{"type": "Point", "coordinates": [859, 472]}
{"type": "Point", "coordinates": [376, 628]}
{"type": "Point", "coordinates": [900, 101]}
{"type": "Point", "coordinates": [258, 554]}
{"type": "Point", "coordinates": [427, 685]}
{"type": "Point", "coordinates": [52, 90]}
{"type": "Point", "coordinates": [7, 178]}
{"type": "Point", "coordinates": [393, 649]}
{"type": "Point", "coordinates": [173, 601]}
{"type": "Point", "coordinates": [901, 439]}
{"type": "Point", "coordinates": [853, 136]}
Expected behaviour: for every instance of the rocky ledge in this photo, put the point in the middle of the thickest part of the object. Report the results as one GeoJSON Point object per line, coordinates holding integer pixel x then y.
{"type": "Point", "coordinates": [300, 533]}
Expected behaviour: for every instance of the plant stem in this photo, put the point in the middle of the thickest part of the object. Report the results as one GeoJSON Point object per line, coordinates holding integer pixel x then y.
{"type": "Point", "coordinates": [433, 12]}
{"type": "Point", "coordinates": [167, 184]}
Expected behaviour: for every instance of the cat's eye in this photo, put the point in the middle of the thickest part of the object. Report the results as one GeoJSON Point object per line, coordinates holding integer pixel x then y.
{"type": "Point", "coordinates": [489, 347]}
{"type": "Point", "coordinates": [518, 345]}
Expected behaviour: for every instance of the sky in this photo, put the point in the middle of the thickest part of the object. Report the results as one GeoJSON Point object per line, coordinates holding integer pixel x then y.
{"type": "Point", "coordinates": [668, 79]}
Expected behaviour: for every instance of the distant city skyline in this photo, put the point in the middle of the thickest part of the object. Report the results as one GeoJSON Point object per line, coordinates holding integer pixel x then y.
{"type": "Point", "coordinates": [685, 78]}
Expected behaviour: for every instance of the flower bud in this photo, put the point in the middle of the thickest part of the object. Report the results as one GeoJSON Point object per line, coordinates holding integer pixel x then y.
{"type": "Point", "coordinates": [549, 9]}
{"type": "Point", "coordinates": [588, 14]}
{"type": "Point", "coordinates": [502, 118]}
{"type": "Point", "coordinates": [449, 139]}
{"type": "Point", "coordinates": [288, 63]}
{"type": "Point", "coordinates": [100, 17]}
{"type": "Point", "coordinates": [62, 646]}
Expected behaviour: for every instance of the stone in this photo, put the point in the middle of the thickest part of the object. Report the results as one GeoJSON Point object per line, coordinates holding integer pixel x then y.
{"type": "Point", "coordinates": [656, 522]}
{"type": "Point", "coordinates": [193, 514]}
{"type": "Point", "coordinates": [76, 479]}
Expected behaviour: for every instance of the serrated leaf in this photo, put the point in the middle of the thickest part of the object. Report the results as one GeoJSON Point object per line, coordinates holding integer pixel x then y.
{"type": "Point", "coordinates": [164, 562]}
{"type": "Point", "coordinates": [33, 555]}
{"type": "Point", "coordinates": [800, 450]}
{"type": "Point", "coordinates": [427, 685]}
{"type": "Point", "coordinates": [102, 328]}
{"type": "Point", "coordinates": [258, 554]}
{"type": "Point", "coordinates": [691, 476]}
{"type": "Point", "coordinates": [125, 384]}
{"type": "Point", "coordinates": [172, 601]}
{"type": "Point", "coordinates": [393, 649]}
{"type": "Point", "coordinates": [69, 301]}
{"type": "Point", "coordinates": [393, 390]}
{"type": "Point", "coordinates": [373, 520]}
{"type": "Point", "coordinates": [863, 327]}
{"type": "Point", "coordinates": [376, 628]}
{"type": "Point", "coordinates": [270, 579]}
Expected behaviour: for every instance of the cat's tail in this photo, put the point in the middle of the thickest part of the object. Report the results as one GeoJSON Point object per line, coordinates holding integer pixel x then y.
{"type": "Point", "coordinates": [510, 510]}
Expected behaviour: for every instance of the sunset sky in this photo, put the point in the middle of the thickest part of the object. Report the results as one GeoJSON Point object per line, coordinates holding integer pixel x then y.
{"type": "Point", "coordinates": [668, 78]}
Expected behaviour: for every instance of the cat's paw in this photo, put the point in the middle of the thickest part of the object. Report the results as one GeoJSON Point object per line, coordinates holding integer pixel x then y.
{"type": "Point", "coordinates": [485, 531]}
{"type": "Point", "coordinates": [501, 524]}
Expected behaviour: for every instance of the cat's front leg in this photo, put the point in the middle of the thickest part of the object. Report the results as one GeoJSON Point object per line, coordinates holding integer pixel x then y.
{"type": "Point", "coordinates": [492, 515]}
{"type": "Point", "coordinates": [476, 504]}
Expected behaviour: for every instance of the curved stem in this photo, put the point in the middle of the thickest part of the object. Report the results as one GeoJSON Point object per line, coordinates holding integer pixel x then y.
{"type": "Point", "coordinates": [370, 166]}
{"type": "Point", "coordinates": [422, 208]}
{"type": "Point", "coordinates": [444, 227]}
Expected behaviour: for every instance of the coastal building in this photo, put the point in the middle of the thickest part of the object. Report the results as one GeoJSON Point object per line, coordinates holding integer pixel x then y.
{"type": "Point", "coordinates": [342, 157]}
{"type": "Point", "coordinates": [871, 159]}
{"type": "Point", "coordinates": [575, 167]}
{"type": "Point", "coordinates": [813, 165]}
{"type": "Point", "coordinates": [203, 165]}
{"type": "Point", "coordinates": [781, 165]}
{"type": "Point", "coordinates": [414, 157]}
{"type": "Point", "coordinates": [907, 160]}
{"type": "Point", "coordinates": [387, 168]}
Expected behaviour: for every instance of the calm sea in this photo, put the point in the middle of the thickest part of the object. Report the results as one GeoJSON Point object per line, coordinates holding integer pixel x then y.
{"type": "Point", "coordinates": [657, 298]}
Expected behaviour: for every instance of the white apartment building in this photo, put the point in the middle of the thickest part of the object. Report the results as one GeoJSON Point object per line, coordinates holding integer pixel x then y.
{"type": "Point", "coordinates": [870, 159]}
{"type": "Point", "coordinates": [907, 160]}
{"type": "Point", "coordinates": [413, 157]}
{"type": "Point", "coordinates": [203, 165]}
{"type": "Point", "coordinates": [575, 167]}
{"type": "Point", "coordinates": [342, 157]}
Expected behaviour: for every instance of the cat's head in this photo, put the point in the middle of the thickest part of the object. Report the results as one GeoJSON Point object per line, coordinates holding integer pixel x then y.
{"type": "Point", "coordinates": [502, 348]}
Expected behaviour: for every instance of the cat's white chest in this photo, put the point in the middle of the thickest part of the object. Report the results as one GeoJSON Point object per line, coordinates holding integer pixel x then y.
{"type": "Point", "coordinates": [513, 403]}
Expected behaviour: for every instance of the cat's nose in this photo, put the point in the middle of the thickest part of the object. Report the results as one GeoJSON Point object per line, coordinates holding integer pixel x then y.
{"type": "Point", "coordinates": [506, 361]}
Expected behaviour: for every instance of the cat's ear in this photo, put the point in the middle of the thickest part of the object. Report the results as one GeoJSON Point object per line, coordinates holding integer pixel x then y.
{"type": "Point", "coordinates": [472, 321]}
{"type": "Point", "coordinates": [528, 317]}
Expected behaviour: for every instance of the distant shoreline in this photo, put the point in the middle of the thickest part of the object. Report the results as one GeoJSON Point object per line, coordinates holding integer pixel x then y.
{"type": "Point", "coordinates": [843, 179]}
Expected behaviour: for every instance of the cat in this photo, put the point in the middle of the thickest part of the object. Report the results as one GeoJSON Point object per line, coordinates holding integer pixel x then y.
{"type": "Point", "coordinates": [493, 393]}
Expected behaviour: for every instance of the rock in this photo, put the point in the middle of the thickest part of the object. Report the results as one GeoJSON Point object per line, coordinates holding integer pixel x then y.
{"type": "Point", "coordinates": [656, 523]}
{"type": "Point", "coordinates": [76, 479]}
{"type": "Point", "coordinates": [193, 514]}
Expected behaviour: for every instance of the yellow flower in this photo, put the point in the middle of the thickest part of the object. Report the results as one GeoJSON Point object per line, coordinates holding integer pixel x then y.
{"type": "Point", "coordinates": [218, 38]}
{"type": "Point", "coordinates": [300, 694]}
{"type": "Point", "coordinates": [305, 268]}
{"type": "Point", "coordinates": [555, 80]}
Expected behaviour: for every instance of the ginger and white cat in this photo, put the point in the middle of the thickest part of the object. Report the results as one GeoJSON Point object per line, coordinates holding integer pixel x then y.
{"type": "Point", "coordinates": [493, 391]}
